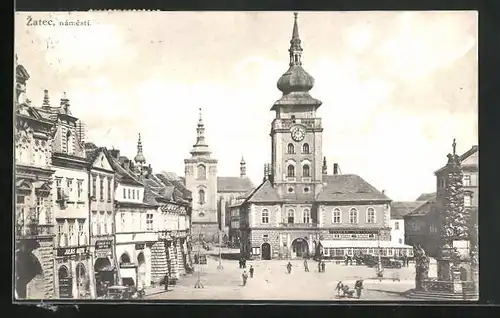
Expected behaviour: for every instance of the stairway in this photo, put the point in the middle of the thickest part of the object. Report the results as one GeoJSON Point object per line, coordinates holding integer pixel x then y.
{"type": "Point", "coordinates": [159, 264]}
{"type": "Point", "coordinates": [467, 295]}
{"type": "Point", "coordinates": [180, 258]}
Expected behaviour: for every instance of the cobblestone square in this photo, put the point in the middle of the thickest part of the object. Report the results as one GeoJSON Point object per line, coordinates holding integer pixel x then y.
{"type": "Point", "coordinates": [272, 282]}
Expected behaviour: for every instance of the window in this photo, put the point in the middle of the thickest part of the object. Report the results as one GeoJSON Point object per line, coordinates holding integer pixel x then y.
{"type": "Point", "coordinates": [109, 189]}
{"type": "Point", "coordinates": [20, 199]}
{"type": "Point", "coordinates": [94, 222]}
{"type": "Point", "coordinates": [305, 148]}
{"type": "Point", "coordinates": [79, 189]}
{"type": "Point", "coordinates": [441, 183]}
{"type": "Point", "coordinates": [400, 241]}
{"type": "Point", "coordinates": [80, 227]}
{"type": "Point", "coordinates": [291, 216]}
{"type": "Point", "coordinates": [336, 216]}
{"type": "Point", "coordinates": [265, 216]}
{"type": "Point", "coordinates": [60, 227]}
{"type": "Point", "coordinates": [290, 149]}
{"type": "Point", "coordinates": [124, 193]}
{"type": "Point", "coordinates": [133, 194]}
{"type": "Point", "coordinates": [69, 143]}
{"type": "Point", "coordinates": [370, 215]}
{"type": "Point", "coordinates": [71, 231]}
{"type": "Point", "coordinates": [94, 186]}
{"type": "Point", "coordinates": [101, 189]}
{"type": "Point", "coordinates": [290, 171]}
{"type": "Point", "coordinates": [305, 171]}
{"type": "Point", "coordinates": [40, 202]}
{"type": "Point", "coordinates": [138, 194]}
{"type": "Point", "coordinates": [202, 172]}
{"type": "Point", "coordinates": [149, 222]}
{"type": "Point", "coordinates": [69, 186]}
{"type": "Point", "coordinates": [122, 219]}
{"type": "Point", "coordinates": [353, 216]}
{"type": "Point", "coordinates": [467, 180]}
{"type": "Point", "coordinates": [467, 200]}
{"type": "Point", "coordinates": [201, 196]}
{"type": "Point", "coordinates": [128, 195]}
{"type": "Point", "coordinates": [306, 190]}
{"type": "Point", "coordinates": [307, 216]}
{"type": "Point", "coordinates": [396, 225]}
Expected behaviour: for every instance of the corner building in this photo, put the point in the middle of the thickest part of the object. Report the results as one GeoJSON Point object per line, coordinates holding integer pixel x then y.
{"type": "Point", "coordinates": [299, 210]}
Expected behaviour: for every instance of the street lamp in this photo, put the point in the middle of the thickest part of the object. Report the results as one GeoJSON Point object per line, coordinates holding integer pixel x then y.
{"type": "Point", "coordinates": [198, 283]}
{"type": "Point", "coordinates": [220, 267]}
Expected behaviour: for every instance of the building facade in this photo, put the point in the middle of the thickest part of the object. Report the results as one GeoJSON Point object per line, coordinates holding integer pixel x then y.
{"type": "Point", "coordinates": [422, 225]}
{"type": "Point", "coordinates": [101, 216]}
{"type": "Point", "coordinates": [299, 210]}
{"type": "Point", "coordinates": [201, 179]}
{"type": "Point", "coordinates": [34, 218]}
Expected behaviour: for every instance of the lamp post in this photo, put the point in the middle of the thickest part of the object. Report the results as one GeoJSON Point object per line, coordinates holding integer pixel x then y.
{"type": "Point", "coordinates": [198, 283]}
{"type": "Point", "coordinates": [220, 267]}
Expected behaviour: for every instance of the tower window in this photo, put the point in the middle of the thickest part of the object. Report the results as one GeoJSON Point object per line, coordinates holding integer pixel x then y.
{"type": "Point", "coordinates": [201, 196]}
{"type": "Point", "coordinates": [305, 148]}
{"type": "Point", "coordinates": [291, 216]}
{"type": "Point", "coordinates": [290, 171]}
{"type": "Point", "coordinates": [306, 171]}
{"type": "Point", "coordinates": [307, 216]}
{"type": "Point", "coordinates": [290, 149]}
{"type": "Point", "coordinates": [202, 172]}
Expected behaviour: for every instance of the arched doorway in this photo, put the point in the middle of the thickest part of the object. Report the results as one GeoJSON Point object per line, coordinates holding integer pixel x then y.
{"type": "Point", "coordinates": [65, 283]}
{"type": "Point", "coordinates": [29, 277]}
{"type": "Point", "coordinates": [266, 251]}
{"type": "Point", "coordinates": [104, 275]}
{"type": "Point", "coordinates": [141, 270]}
{"type": "Point", "coordinates": [300, 248]}
{"type": "Point", "coordinates": [82, 281]}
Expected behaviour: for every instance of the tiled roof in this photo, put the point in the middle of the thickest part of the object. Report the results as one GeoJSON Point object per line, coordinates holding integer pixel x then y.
{"type": "Point", "coordinates": [427, 197]}
{"type": "Point", "coordinates": [401, 208]}
{"type": "Point", "coordinates": [234, 184]}
{"type": "Point", "coordinates": [123, 173]}
{"type": "Point", "coordinates": [348, 187]}
{"type": "Point", "coordinates": [171, 179]}
{"type": "Point", "coordinates": [265, 192]}
{"type": "Point", "coordinates": [425, 208]}
{"type": "Point", "coordinates": [150, 196]}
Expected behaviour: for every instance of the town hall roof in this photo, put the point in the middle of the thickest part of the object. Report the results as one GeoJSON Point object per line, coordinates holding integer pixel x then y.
{"type": "Point", "coordinates": [427, 196]}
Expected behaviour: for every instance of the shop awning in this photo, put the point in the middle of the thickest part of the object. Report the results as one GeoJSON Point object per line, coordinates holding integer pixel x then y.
{"type": "Point", "coordinates": [362, 244]}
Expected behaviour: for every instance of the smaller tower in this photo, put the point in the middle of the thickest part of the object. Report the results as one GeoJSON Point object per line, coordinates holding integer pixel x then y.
{"type": "Point", "coordinates": [243, 168]}
{"type": "Point", "coordinates": [139, 159]}
{"type": "Point", "coordinates": [46, 99]}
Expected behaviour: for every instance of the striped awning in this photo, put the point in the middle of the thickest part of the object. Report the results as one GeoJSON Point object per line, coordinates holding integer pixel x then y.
{"type": "Point", "coordinates": [362, 244]}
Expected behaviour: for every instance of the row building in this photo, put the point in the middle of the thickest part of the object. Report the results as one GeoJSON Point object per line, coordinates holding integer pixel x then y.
{"type": "Point", "coordinates": [85, 216]}
{"type": "Point", "coordinates": [299, 210]}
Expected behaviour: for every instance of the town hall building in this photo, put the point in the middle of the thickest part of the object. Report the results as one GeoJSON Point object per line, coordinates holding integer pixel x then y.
{"type": "Point", "coordinates": [299, 210]}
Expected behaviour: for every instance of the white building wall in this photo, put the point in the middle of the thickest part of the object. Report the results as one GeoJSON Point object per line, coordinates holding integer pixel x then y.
{"type": "Point", "coordinates": [397, 231]}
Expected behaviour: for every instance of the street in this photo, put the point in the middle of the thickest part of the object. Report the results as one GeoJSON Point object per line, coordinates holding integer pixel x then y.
{"type": "Point", "coordinates": [272, 282]}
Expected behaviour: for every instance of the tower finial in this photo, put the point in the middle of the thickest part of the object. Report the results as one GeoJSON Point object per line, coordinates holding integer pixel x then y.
{"type": "Point", "coordinates": [243, 168]}
{"type": "Point", "coordinates": [139, 158]}
{"type": "Point", "coordinates": [295, 48]}
{"type": "Point", "coordinates": [454, 145]}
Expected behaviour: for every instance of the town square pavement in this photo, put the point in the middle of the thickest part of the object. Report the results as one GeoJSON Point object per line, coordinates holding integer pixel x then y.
{"type": "Point", "coordinates": [272, 282]}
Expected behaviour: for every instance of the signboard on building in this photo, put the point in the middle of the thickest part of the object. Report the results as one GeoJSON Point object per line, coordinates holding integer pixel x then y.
{"type": "Point", "coordinates": [140, 246]}
{"type": "Point", "coordinates": [101, 245]}
{"type": "Point", "coordinates": [71, 251]}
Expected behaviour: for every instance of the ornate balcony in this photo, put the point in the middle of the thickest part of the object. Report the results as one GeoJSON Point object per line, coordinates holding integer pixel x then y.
{"type": "Point", "coordinates": [299, 225]}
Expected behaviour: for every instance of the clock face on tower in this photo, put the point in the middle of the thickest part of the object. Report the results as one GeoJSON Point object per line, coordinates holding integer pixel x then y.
{"type": "Point", "coordinates": [298, 133]}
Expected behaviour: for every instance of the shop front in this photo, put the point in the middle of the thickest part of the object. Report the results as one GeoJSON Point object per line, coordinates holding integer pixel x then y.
{"type": "Point", "coordinates": [72, 274]}
{"type": "Point", "coordinates": [104, 268]}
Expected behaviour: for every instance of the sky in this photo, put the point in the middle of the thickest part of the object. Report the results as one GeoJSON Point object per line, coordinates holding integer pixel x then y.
{"type": "Point", "coordinates": [396, 87]}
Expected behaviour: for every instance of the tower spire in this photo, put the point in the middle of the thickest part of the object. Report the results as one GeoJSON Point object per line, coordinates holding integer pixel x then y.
{"type": "Point", "coordinates": [295, 47]}
{"type": "Point", "coordinates": [200, 148]}
{"type": "Point", "coordinates": [139, 158]}
{"type": "Point", "coordinates": [243, 168]}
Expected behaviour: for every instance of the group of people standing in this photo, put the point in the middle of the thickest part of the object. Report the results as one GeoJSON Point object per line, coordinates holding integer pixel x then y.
{"type": "Point", "coordinates": [244, 276]}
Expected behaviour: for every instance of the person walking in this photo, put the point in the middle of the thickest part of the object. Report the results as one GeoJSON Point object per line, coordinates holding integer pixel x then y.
{"type": "Point", "coordinates": [245, 277]}
{"type": "Point", "coordinates": [358, 286]}
{"type": "Point", "coordinates": [346, 260]}
{"type": "Point", "coordinates": [404, 260]}
{"type": "Point", "coordinates": [323, 265]}
{"type": "Point", "coordinates": [289, 267]}
{"type": "Point", "coordinates": [306, 266]}
{"type": "Point", "coordinates": [251, 271]}
{"type": "Point", "coordinates": [319, 266]}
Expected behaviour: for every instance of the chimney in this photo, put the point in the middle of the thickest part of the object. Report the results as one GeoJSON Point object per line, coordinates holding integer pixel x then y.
{"type": "Point", "coordinates": [65, 104]}
{"type": "Point", "coordinates": [383, 191]}
{"type": "Point", "coordinates": [115, 153]}
{"type": "Point", "coordinates": [46, 99]}
{"type": "Point", "coordinates": [335, 168]}
{"type": "Point", "coordinates": [325, 167]}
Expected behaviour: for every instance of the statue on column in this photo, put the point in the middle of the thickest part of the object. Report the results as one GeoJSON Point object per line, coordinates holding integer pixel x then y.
{"type": "Point", "coordinates": [421, 266]}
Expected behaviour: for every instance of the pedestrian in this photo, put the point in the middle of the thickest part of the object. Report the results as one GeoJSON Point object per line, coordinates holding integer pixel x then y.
{"type": "Point", "coordinates": [244, 263]}
{"type": "Point", "coordinates": [251, 271]}
{"type": "Point", "coordinates": [166, 282]}
{"type": "Point", "coordinates": [306, 266]}
{"type": "Point", "coordinates": [346, 260]}
{"type": "Point", "coordinates": [358, 286]}
{"type": "Point", "coordinates": [319, 266]}
{"type": "Point", "coordinates": [241, 263]}
{"type": "Point", "coordinates": [289, 267]}
{"type": "Point", "coordinates": [323, 266]}
{"type": "Point", "coordinates": [245, 277]}
{"type": "Point", "coordinates": [339, 288]}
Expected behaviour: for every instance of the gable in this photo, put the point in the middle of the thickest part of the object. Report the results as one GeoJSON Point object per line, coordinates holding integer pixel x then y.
{"type": "Point", "coordinates": [472, 160]}
{"type": "Point", "coordinates": [264, 193]}
{"type": "Point", "coordinates": [101, 161]}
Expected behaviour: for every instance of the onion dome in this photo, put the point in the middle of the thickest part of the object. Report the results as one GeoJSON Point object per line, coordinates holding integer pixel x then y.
{"type": "Point", "coordinates": [296, 79]}
{"type": "Point", "coordinates": [139, 158]}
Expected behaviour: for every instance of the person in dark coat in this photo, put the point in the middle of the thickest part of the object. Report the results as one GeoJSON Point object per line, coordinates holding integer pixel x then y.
{"type": "Point", "coordinates": [346, 260]}
{"type": "Point", "coordinates": [323, 265]}
{"type": "Point", "coordinates": [358, 286]}
{"type": "Point", "coordinates": [241, 263]}
{"type": "Point", "coordinates": [319, 266]}
{"type": "Point", "coordinates": [306, 266]}
{"type": "Point", "coordinates": [251, 271]}
{"type": "Point", "coordinates": [289, 267]}
{"type": "Point", "coordinates": [244, 276]}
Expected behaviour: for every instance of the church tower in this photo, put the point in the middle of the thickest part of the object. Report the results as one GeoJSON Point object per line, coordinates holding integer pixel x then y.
{"type": "Point", "coordinates": [296, 131]}
{"type": "Point", "coordinates": [201, 179]}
